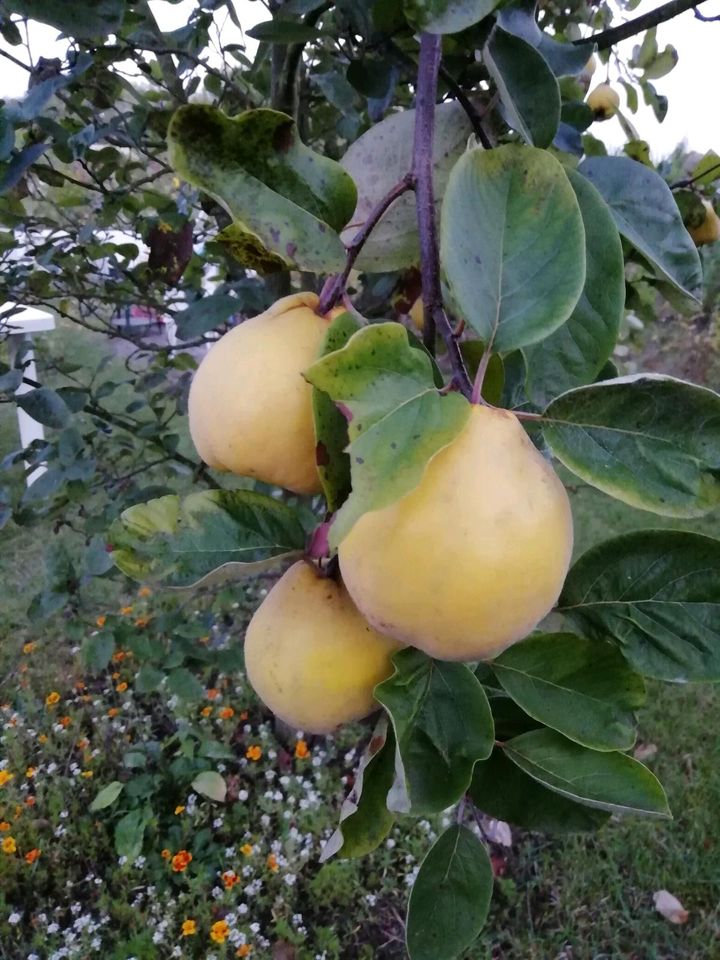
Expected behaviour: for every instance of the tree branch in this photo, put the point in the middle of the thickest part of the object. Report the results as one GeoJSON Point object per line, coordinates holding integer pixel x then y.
{"type": "Point", "coordinates": [608, 38]}
{"type": "Point", "coordinates": [468, 106]}
{"type": "Point", "coordinates": [690, 180]}
{"type": "Point", "coordinates": [435, 317]}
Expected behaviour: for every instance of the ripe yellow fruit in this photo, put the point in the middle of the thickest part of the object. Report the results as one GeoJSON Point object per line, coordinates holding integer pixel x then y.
{"type": "Point", "coordinates": [310, 655]}
{"type": "Point", "coordinates": [709, 229]}
{"type": "Point", "coordinates": [250, 408]}
{"type": "Point", "coordinates": [475, 556]}
{"type": "Point", "coordinates": [604, 101]}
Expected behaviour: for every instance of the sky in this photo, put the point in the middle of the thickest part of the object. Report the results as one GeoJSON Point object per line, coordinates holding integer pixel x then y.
{"type": "Point", "coordinates": [692, 87]}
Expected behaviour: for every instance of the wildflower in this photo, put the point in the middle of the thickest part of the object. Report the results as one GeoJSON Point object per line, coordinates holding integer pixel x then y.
{"type": "Point", "coordinates": [32, 855]}
{"type": "Point", "coordinates": [100, 621]}
{"type": "Point", "coordinates": [189, 928]}
{"type": "Point", "coordinates": [9, 845]}
{"type": "Point", "coordinates": [213, 694]}
{"type": "Point", "coordinates": [52, 698]}
{"type": "Point", "coordinates": [219, 931]}
{"type": "Point", "coordinates": [42, 738]}
{"type": "Point", "coordinates": [144, 592]}
{"type": "Point", "coordinates": [244, 715]}
{"type": "Point", "coordinates": [113, 712]}
{"type": "Point", "coordinates": [126, 611]}
{"type": "Point", "coordinates": [118, 656]}
{"type": "Point", "coordinates": [181, 860]}
{"type": "Point", "coordinates": [142, 621]}
{"type": "Point", "coordinates": [65, 721]}
{"type": "Point", "coordinates": [206, 712]}
{"type": "Point", "coordinates": [229, 879]}
{"type": "Point", "coordinates": [180, 808]}
{"type": "Point", "coordinates": [87, 774]}
{"type": "Point", "coordinates": [5, 777]}
{"type": "Point", "coordinates": [121, 687]}
{"type": "Point", "coordinates": [165, 853]}
{"type": "Point", "coordinates": [28, 647]}
{"type": "Point", "coordinates": [246, 849]}
{"type": "Point", "coordinates": [253, 752]}
{"type": "Point", "coordinates": [30, 772]}
{"type": "Point", "coordinates": [30, 801]}
{"type": "Point", "coordinates": [226, 713]}
{"type": "Point", "coordinates": [4, 826]}
{"type": "Point", "coordinates": [243, 951]}
{"type": "Point", "coordinates": [272, 863]}
{"type": "Point", "coordinates": [302, 750]}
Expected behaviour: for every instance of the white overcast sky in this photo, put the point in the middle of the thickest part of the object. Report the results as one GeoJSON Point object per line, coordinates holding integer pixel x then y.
{"type": "Point", "coordinates": [692, 87]}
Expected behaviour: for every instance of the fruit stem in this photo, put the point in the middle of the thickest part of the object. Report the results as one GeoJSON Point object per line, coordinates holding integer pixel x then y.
{"type": "Point", "coordinates": [477, 396]}
{"type": "Point", "coordinates": [435, 317]}
{"type": "Point", "coordinates": [334, 286]}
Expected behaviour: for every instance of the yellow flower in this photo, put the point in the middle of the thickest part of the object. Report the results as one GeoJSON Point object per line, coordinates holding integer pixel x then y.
{"type": "Point", "coordinates": [189, 928]}
{"type": "Point", "coordinates": [206, 712]}
{"type": "Point", "coordinates": [100, 621]}
{"type": "Point", "coordinates": [272, 863]}
{"type": "Point", "coordinates": [5, 777]}
{"type": "Point", "coordinates": [219, 931]}
{"type": "Point", "coordinates": [28, 647]}
{"type": "Point", "coordinates": [165, 854]}
{"type": "Point", "coordinates": [9, 845]}
{"type": "Point", "coordinates": [246, 849]}
{"type": "Point", "coordinates": [126, 611]}
{"type": "Point", "coordinates": [164, 227]}
{"type": "Point", "coordinates": [253, 752]}
{"type": "Point", "coordinates": [121, 687]}
{"type": "Point", "coordinates": [52, 698]}
{"type": "Point", "coordinates": [87, 774]}
{"type": "Point", "coordinates": [302, 750]}
{"type": "Point", "coordinates": [30, 772]}
{"type": "Point", "coordinates": [144, 592]}
{"type": "Point", "coordinates": [42, 738]}
{"type": "Point", "coordinates": [180, 808]}
{"type": "Point", "coordinates": [32, 855]}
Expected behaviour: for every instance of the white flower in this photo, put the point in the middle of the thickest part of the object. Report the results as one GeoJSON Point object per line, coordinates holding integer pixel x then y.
{"type": "Point", "coordinates": [290, 879]}
{"type": "Point", "coordinates": [217, 823]}
{"type": "Point", "coordinates": [14, 919]}
{"type": "Point", "coordinates": [243, 795]}
{"type": "Point", "coordinates": [242, 909]}
{"type": "Point", "coordinates": [390, 843]}
{"type": "Point", "coordinates": [53, 927]}
{"type": "Point", "coordinates": [370, 899]}
{"type": "Point", "coordinates": [255, 927]}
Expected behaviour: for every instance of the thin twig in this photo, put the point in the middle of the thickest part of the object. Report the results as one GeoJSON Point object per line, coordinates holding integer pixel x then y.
{"type": "Point", "coordinates": [608, 38]}
{"type": "Point", "coordinates": [435, 317]}
{"type": "Point", "coordinates": [468, 106]}
{"type": "Point", "coordinates": [690, 180]}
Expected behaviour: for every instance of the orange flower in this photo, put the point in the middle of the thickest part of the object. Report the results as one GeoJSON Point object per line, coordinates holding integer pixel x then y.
{"type": "Point", "coordinates": [30, 801]}
{"type": "Point", "coordinates": [229, 879]}
{"type": "Point", "coordinates": [142, 622]}
{"type": "Point", "coordinates": [118, 656]}
{"type": "Point", "coordinates": [28, 647]}
{"type": "Point", "coordinates": [180, 808]}
{"type": "Point", "coordinates": [5, 777]}
{"type": "Point", "coordinates": [244, 715]}
{"type": "Point", "coordinates": [79, 685]}
{"type": "Point", "coordinates": [246, 849]}
{"type": "Point", "coordinates": [219, 931]}
{"type": "Point", "coordinates": [144, 592]}
{"type": "Point", "coordinates": [42, 738]}
{"type": "Point", "coordinates": [52, 698]}
{"type": "Point", "coordinates": [9, 845]}
{"type": "Point", "coordinates": [189, 928]}
{"type": "Point", "coordinates": [165, 854]}
{"type": "Point", "coordinates": [113, 712]}
{"type": "Point", "coordinates": [272, 863]}
{"type": "Point", "coordinates": [302, 750]}
{"type": "Point", "coordinates": [83, 744]}
{"type": "Point", "coordinates": [253, 752]}
{"type": "Point", "coordinates": [206, 712]}
{"type": "Point", "coordinates": [30, 772]}
{"type": "Point", "coordinates": [244, 950]}
{"type": "Point", "coordinates": [121, 687]}
{"type": "Point", "coordinates": [32, 855]}
{"type": "Point", "coordinates": [101, 621]}
{"type": "Point", "coordinates": [126, 611]}
{"type": "Point", "coordinates": [226, 713]}
{"type": "Point", "coordinates": [213, 694]}
{"type": "Point", "coordinates": [181, 861]}
{"type": "Point", "coordinates": [115, 675]}
{"type": "Point", "coordinates": [4, 826]}
{"type": "Point", "coordinates": [64, 721]}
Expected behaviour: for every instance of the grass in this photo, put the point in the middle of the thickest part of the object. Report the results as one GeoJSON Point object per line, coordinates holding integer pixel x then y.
{"type": "Point", "coordinates": [581, 898]}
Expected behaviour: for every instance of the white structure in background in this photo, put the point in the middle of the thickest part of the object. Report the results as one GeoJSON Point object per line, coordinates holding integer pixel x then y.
{"type": "Point", "coordinates": [20, 328]}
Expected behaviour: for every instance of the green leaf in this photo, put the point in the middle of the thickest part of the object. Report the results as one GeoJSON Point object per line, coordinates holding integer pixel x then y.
{"type": "Point", "coordinates": [656, 594]}
{"type": "Point", "coordinates": [129, 833]}
{"type": "Point", "coordinates": [707, 169]}
{"type": "Point", "coordinates": [206, 537]}
{"type": "Point", "coordinates": [527, 86]}
{"type": "Point", "coordinates": [583, 689]}
{"type": "Point", "coordinates": [181, 683]}
{"type": "Point", "coordinates": [447, 16]}
{"type": "Point", "coordinates": [398, 420]}
{"type": "Point", "coordinates": [287, 201]}
{"type": "Point", "coordinates": [662, 64]}
{"type": "Point", "coordinates": [97, 19]}
{"type": "Point", "coordinates": [365, 820]}
{"type": "Point", "coordinates": [492, 389]}
{"type": "Point", "coordinates": [107, 796]}
{"type": "Point", "coordinates": [45, 406]}
{"type": "Point", "coordinates": [450, 898]}
{"type": "Point", "coordinates": [378, 160]}
{"type": "Point", "coordinates": [97, 651]}
{"type": "Point", "coordinates": [651, 441]}
{"type": "Point", "coordinates": [283, 32]}
{"type": "Point", "coordinates": [575, 353]}
{"type": "Point", "coordinates": [148, 679]}
{"type": "Point", "coordinates": [206, 314]}
{"type": "Point", "coordinates": [443, 725]}
{"type": "Point", "coordinates": [565, 59]}
{"type": "Point", "coordinates": [606, 781]}
{"type": "Point", "coordinates": [503, 790]}
{"type": "Point", "coordinates": [331, 432]}
{"type": "Point", "coordinates": [510, 214]}
{"type": "Point", "coordinates": [210, 784]}
{"type": "Point", "coordinates": [647, 216]}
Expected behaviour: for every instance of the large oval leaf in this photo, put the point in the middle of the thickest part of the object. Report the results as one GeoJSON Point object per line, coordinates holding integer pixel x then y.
{"type": "Point", "coordinates": [442, 724]}
{"type": "Point", "coordinates": [656, 593]}
{"type": "Point", "coordinates": [450, 898]}
{"type": "Point", "coordinates": [447, 16]}
{"type": "Point", "coordinates": [520, 18]}
{"type": "Point", "coordinates": [512, 244]}
{"type": "Point", "coordinates": [221, 534]}
{"type": "Point", "coordinates": [646, 214]}
{"type": "Point", "coordinates": [583, 689]}
{"type": "Point", "coordinates": [528, 90]}
{"type": "Point", "coordinates": [576, 353]}
{"type": "Point", "coordinates": [649, 440]}
{"type": "Point", "coordinates": [287, 201]}
{"type": "Point", "coordinates": [606, 781]}
{"type": "Point", "coordinates": [378, 160]}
